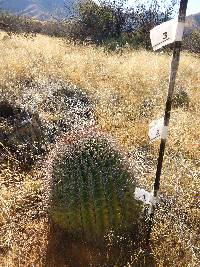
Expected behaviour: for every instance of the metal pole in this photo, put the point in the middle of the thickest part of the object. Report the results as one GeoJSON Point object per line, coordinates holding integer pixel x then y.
{"type": "Point", "coordinates": [174, 69]}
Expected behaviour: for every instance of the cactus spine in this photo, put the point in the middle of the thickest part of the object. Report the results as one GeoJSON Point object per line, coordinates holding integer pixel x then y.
{"type": "Point", "coordinates": [93, 190]}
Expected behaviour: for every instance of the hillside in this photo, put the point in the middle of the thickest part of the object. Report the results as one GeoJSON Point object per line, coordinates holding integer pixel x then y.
{"type": "Point", "coordinates": [193, 22]}
{"type": "Point", "coordinates": [39, 9]}
{"type": "Point", "coordinates": [50, 87]}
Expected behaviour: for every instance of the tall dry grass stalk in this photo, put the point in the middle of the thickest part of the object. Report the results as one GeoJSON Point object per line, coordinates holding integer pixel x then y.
{"type": "Point", "coordinates": [129, 90]}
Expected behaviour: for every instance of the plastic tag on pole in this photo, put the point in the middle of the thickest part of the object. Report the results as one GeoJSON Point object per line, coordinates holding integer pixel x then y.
{"type": "Point", "coordinates": [144, 196]}
{"type": "Point", "coordinates": [157, 129]}
{"type": "Point", "coordinates": [166, 33]}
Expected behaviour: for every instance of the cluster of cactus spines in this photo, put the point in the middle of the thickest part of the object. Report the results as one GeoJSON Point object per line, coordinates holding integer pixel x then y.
{"type": "Point", "coordinates": [93, 189]}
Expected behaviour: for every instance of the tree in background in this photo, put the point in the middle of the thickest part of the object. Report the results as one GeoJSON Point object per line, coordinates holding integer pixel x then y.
{"type": "Point", "coordinates": [102, 21]}
{"type": "Point", "coordinates": [111, 21]}
{"type": "Point", "coordinates": [143, 18]}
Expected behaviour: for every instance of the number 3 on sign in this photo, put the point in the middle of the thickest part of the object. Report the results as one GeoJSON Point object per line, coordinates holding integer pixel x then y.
{"type": "Point", "coordinates": [165, 35]}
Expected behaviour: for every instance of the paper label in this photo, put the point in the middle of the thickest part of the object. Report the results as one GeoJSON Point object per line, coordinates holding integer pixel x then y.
{"type": "Point", "coordinates": [144, 196]}
{"type": "Point", "coordinates": [166, 33]}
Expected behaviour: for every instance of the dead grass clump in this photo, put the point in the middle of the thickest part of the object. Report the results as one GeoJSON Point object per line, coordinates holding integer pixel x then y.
{"type": "Point", "coordinates": [176, 228]}
{"type": "Point", "coordinates": [23, 222]}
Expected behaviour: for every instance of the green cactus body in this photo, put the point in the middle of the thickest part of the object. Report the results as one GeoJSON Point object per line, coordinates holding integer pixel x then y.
{"type": "Point", "coordinates": [93, 190]}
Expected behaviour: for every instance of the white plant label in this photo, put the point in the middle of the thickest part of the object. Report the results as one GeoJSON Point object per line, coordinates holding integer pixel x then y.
{"type": "Point", "coordinates": [157, 129]}
{"type": "Point", "coordinates": [166, 33]}
{"type": "Point", "coordinates": [144, 196]}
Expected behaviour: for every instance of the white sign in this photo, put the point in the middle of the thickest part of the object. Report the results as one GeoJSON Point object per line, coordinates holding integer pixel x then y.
{"type": "Point", "coordinates": [144, 196]}
{"type": "Point", "coordinates": [157, 129]}
{"type": "Point", "coordinates": [166, 33]}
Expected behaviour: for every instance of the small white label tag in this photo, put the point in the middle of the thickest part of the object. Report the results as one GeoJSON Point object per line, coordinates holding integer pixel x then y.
{"type": "Point", "coordinates": [157, 129]}
{"type": "Point", "coordinates": [144, 196]}
{"type": "Point", "coordinates": [166, 33]}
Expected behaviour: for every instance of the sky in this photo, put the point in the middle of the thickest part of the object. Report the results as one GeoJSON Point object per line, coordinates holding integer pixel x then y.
{"type": "Point", "coordinates": [192, 8]}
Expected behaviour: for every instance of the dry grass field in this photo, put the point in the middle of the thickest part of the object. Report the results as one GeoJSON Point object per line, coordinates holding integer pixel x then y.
{"type": "Point", "coordinates": [128, 90]}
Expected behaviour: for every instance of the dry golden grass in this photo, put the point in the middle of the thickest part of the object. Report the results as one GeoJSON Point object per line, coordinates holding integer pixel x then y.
{"type": "Point", "coordinates": [119, 85]}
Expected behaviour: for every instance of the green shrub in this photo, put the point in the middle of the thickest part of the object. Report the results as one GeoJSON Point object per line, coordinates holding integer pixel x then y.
{"type": "Point", "coordinates": [124, 40]}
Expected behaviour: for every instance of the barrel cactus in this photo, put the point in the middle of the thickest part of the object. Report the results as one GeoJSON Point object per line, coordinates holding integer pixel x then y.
{"type": "Point", "coordinates": [92, 188]}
